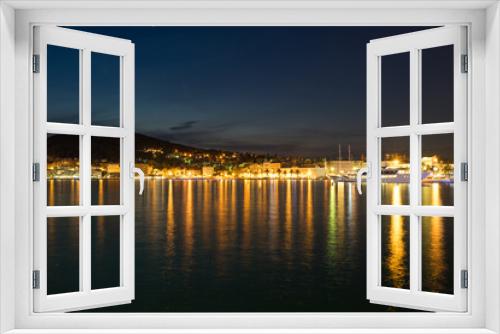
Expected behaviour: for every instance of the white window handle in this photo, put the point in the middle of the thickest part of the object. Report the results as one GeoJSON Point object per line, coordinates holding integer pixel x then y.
{"type": "Point", "coordinates": [361, 171]}
{"type": "Point", "coordinates": [133, 171]}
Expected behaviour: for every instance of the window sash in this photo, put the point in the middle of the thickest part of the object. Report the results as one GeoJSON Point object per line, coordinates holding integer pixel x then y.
{"type": "Point", "coordinates": [415, 297]}
{"type": "Point", "coordinates": [86, 43]}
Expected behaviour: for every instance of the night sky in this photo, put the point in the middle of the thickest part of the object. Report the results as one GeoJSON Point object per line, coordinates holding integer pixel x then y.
{"type": "Point", "coordinates": [279, 90]}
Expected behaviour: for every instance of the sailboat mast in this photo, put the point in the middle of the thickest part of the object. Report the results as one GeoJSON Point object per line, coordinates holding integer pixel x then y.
{"type": "Point", "coordinates": [340, 158]}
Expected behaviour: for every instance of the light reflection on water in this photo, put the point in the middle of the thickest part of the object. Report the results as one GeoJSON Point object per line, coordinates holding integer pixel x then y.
{"type": "Point", "coordinates": [437, 241]}
{"type": "Point", "coordinates": [395, 271]}
{"type": "Point", "coordinates": [437, 261]}
{"type": "Point", "coordinates": [263, 245]}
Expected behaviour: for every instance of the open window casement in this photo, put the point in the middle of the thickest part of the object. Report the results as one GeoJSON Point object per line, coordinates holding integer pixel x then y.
{"type": "Point", "coordinates": [83, 214]}
{"type": "Point", "coordinates": [405, 219]}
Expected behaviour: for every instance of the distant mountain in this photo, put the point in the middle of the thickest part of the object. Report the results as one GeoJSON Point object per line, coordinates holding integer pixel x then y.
{"type": "Point", "coordinates": [143, 142]}
{"type": "Point", "coordinates": [104, 148]}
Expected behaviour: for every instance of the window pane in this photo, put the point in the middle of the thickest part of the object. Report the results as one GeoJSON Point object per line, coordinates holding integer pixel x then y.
{"type": "Point", "coordinates": [105, 252]}
{"type": "Point", "coordinates": [437, 254]}
{"type": "Point", "coordinates": [63, 84]}
{"type": "Point", "coordinates": [63, 170]}
{"type": "Point", "coordinates": [395, 171]}
{"type": "Point", "coordinates": [437, 170]}
{"type": "Point", "coordinates": [63, 255]}
{"type": "Point", "coordinates": [105, 171]}
{"type": "Point", "coordinates": [395, 251]}
{"type": "Point", "coordinates": [437, 84]}
{"type": "Point", "coordinates": [395, 89]}
{"type": "Point", "coordinates": [105, 89]}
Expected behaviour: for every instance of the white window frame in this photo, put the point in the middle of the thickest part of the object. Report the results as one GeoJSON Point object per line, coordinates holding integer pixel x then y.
{"type": "Point", "coordinates": [16, 20]}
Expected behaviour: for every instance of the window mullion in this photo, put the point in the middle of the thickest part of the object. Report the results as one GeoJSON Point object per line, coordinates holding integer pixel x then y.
{"type": "Point", "coordinates": [415, 243]}
{"type": "Point", "coordinates": [85, 151]}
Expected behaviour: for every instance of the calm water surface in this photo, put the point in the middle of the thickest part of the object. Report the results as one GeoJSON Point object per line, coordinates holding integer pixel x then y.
{"type": "Point", "coordinates": [250, 245]}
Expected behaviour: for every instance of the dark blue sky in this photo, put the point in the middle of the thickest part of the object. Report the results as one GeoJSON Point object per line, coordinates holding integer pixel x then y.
{"type": "Point", "coordinates": [283, 90]}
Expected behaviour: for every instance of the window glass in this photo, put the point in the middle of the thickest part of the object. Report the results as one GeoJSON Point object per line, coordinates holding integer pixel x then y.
{"type": "Point", "coordinates": [437, 170]}
{"type": "Point", "coordinates": [106, 171]}
{"type": "Point", "coordinates": [105, 89]}
{"type": "Point", "coordinates": [395, 171]}
{"type": "Point", "coordinates": [105, 252]}
{"type": "Point", "coordinates": [63, 84]}
{"type": "Point", "coordinates": [395, 89]}
{"type": "Point", "coordinates": [437, 84]}
{"type": "Point", "coordinates": [437, 254]}
{"type": "Point", "coordinates": [63, 170]}
{"type": "Point", "coordinates": [63, 255]}
{"type": "Point", "coordinates": [395, 251]}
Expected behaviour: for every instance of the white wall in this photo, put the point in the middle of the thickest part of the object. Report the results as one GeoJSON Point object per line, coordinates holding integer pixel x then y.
{"type": "Point", "coordinates": [492, 211]}
{"type": "Point", "coordinates": [6, 166]}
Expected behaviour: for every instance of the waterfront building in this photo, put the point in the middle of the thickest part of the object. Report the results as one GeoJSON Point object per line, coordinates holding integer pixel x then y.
{"type": "Point", "coordinates": [207, 171]}
{"type": "Point", "coordinates": [343, 167]}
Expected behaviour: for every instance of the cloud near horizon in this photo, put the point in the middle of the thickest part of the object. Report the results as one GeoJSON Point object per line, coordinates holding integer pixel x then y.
{"type": "Point", "coordinates": [183, 126]}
